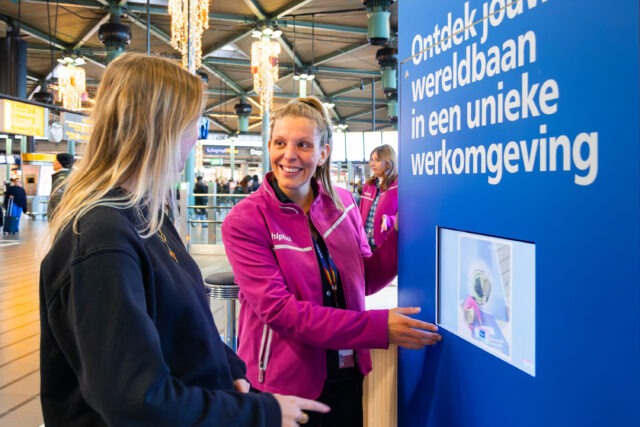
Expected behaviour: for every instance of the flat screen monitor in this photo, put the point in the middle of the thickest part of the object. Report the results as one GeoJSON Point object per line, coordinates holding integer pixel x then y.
{"type": "Point", "coordinates": [485, 294]}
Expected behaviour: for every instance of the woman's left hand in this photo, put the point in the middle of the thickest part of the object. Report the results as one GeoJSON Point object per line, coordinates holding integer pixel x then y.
{"type": "Point", "coordinates": [241, 385]}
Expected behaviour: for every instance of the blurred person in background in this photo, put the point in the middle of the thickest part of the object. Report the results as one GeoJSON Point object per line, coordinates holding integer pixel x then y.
{"type": "Point", "coordinates": [15, 193]}
{"type": "Point", "coordinates": [243, 187]}
{"type": "Point", "coordinates": [62, 167]}
{"type": "Point", "coordinates": [200, 213]}
{"type": "Point", "coordinates": [255, 183]}
{"type": "Point", "coordinates": [379, 202]}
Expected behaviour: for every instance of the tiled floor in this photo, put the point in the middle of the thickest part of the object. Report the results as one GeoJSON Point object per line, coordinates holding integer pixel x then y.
{"type": "Point", "coordinates": [20, 326]}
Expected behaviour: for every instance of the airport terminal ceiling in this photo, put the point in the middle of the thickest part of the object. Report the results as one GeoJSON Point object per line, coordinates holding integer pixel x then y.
{"type": "Point", "coordinates": [331, 35]}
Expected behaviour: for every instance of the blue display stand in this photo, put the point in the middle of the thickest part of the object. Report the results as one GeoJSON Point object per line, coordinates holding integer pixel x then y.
{"type": "Point", "coordinates": [557, 104]}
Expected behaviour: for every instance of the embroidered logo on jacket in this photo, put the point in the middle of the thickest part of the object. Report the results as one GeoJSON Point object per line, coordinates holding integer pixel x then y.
{"type": "Point", "coordinates": [280, 236]}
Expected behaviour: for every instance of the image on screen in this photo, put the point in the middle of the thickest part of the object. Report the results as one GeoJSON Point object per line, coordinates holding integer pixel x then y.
{"type": "Point", "coordinates": [486, 294]}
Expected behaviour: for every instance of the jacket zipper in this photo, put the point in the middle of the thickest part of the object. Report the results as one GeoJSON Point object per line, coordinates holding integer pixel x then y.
{"type": "Point", "coordinates": [346, 298]}
{"type": "Point", "coordinates": [263, 357]}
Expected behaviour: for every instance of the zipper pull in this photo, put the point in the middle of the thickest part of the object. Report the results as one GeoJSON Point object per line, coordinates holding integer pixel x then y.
{"type": "Point", "coordinates": [261, 372]}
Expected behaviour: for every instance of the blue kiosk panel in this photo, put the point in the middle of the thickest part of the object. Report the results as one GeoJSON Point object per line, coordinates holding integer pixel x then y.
{"type": "Point", "coordinates": [519, 137]}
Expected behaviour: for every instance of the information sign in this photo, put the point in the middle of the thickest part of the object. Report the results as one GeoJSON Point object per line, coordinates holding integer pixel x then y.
{"type": "Point", "coordinates": [76, 127]}
{"type": "Point", "coordinates": [22, 119]}
{"type": "Point", "coordinates": [519, 119]}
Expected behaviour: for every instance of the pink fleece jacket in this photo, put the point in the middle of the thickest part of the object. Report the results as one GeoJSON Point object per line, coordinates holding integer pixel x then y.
{"type": "Point", "coordinates": [284, 328]}
{"type": "Point", "coordinates": [387, 205]}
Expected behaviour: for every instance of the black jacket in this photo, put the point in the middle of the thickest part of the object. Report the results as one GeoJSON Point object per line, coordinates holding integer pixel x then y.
{"type": "Point", "coordinates": [57, 188]}
{"type": "Point", "coordinates": [201, 188]}
{"type": "Point", "coordinates": [19, 197]}
{"type": "Point", "coordinates": [128, 337]}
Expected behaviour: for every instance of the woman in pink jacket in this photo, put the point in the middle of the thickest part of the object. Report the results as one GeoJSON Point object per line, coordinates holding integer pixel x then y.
{"type": "Point", "coordinates": [301, 259]}
{"type": "Point", "coordinates": [379, 203]}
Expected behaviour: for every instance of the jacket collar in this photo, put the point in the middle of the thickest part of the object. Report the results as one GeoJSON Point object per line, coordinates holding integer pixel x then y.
{"type": "Point", "coordinates": [286, 205]}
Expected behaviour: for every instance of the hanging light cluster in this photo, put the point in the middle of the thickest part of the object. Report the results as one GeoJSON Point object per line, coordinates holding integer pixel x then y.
{"type": "Point", "coordinates": [71, 83]}
{"type": "Point", "coordinates": [264, 67]}
{"type": "Point", "coordinates": [199, 159]}
{"type": "Point", "coordinates": [188, 16]}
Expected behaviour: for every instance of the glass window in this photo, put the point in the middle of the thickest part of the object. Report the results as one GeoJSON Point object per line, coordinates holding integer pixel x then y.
{"type": "Point", "coordinates": [338, 152]}
{"type": "Point", "coordinates": [391, 138]}
{"type": "Point", "coordinates": [371, 141]}
{"type": "Point", "coordinates": [355, 146]}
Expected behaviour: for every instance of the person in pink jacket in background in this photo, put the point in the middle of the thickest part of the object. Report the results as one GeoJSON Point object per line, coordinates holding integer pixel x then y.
{"type": "Point", "coordinates": [300, 256]}
{"type": "Point", "coordinates": [379, 202]}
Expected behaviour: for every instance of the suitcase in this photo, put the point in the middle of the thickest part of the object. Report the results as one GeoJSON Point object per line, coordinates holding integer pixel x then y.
{"type": "Point", "coordinates": [10, 221]}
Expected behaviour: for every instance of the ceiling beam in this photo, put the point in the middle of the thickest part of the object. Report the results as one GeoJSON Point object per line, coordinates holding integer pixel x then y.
{"type": "Point", "coordinates": [327, 70]}
{"type": "Point", "coordinates": [59, 44]}
{"type": "Point", "coordinates": [167, 39]}
{"type": "Point", "coordinates": [286, 23]}
{"type": "Point", "coordinates": [222, 76]}
{"type": "Point", "coordinates": [367, 122]}
{"type": "Point", "coordinates": [221, 125]}
{"type": "Point", "coordinates": [358, 100]}
{"type": "Point", "coordinates": [344, 99]}
{"type": "Point", "coordinates": [142, 23]}
{"type": "Point", "coordinates": [365, 83]}
{"type": "Point", "coordinates": [288, 8]}
{"type": "Point", "coordinates": [315, 84]}
{"type": "Point", "coordinates": [233, 38]}
{"type": "Point", "coordinates": [338, 53]}
{"type": "Point", "coordinates": [90, 32]}
{"type": "Point", "coordinates": [363, 112]}
{"type": "Point", "coordinates": [70, 3]}
{"type": "Point", "coordinates": [288, 49]}
{"type": "Point", "coordinates": [228, 17]}
{"type": "Point", "coordinates": [219, 104]}
{"type": "Point", "coordinates": [256, 9]}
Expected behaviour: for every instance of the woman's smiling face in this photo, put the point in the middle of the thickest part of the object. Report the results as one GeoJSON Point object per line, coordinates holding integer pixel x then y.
{"type": "Point", "coordinates": [295, 153]}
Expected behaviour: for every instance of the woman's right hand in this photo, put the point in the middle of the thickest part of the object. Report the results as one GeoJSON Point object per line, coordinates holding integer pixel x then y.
{"type": "Point", "coordinates": [291, 408]}
{"type": "Point", "coordinates": [407, 332]}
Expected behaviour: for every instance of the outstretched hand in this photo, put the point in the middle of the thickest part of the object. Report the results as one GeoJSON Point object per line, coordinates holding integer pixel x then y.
{"type": "Point", "coordinates": [291, 408]}
{"type": "Point", "coordinates": [407, 332]}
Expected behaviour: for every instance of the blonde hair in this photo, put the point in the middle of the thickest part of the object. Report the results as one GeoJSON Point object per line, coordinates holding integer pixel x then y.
{"type": "Point", "coordinates": [143, 106]}
{"type": "Point", "coordinates": [388, 154]}
{"type": "Point", "coordinates": [312, 108]}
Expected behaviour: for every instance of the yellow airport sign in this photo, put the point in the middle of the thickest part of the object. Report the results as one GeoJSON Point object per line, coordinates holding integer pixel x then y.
{"type": "Point", "coordinates": [38, 157]}
{"type": "Point", "coordinates": [22, 119]}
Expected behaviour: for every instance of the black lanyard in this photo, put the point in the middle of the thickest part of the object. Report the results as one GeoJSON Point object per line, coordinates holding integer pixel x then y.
{"type": "Point", "coordinates": [330, 270]}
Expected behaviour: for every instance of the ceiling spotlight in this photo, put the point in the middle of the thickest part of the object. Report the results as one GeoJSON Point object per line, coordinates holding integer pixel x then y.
{"type": "Point", "coordinates": [267, 31]}
{"type": "Point", "coordinates": [80, 61]}
{"type": "Point", "coordinates": [304, 76]}
{"type": "Point", "coordinates": [257, 34]}
{"type": "Point", "coordinates": [311, 76]}
{"type": "Point", "coordinates": [329, 104]}
{"type": "Point", "coordinates": [276, 34]}
{"type": "Point", "coordinates": [296, 77]}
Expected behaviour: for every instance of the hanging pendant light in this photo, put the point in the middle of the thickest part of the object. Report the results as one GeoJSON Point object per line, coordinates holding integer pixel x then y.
{"type": "Point", "coordinates": [264, 66]}
{"type": "Point", "coordinates": [189, 19]}
{"type": "Point", "coordinates": [71, 82]}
